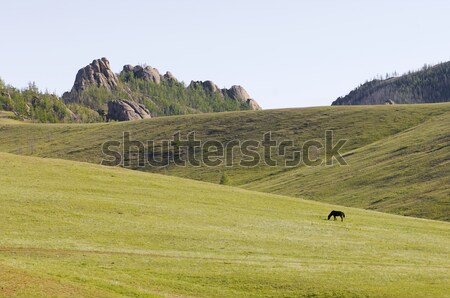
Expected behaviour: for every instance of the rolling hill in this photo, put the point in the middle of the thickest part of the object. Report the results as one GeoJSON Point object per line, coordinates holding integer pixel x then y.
{"type": "Point", "coordinates": [407, 173]}
{"type": "Point", "coordinates": [78, 229]}
{"type": "Point", "coordinates": [397, 155]}
{"type": "Point", "coordinates": [431, 84]}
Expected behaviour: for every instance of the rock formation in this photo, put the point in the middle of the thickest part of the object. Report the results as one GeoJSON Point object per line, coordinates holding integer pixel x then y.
{"type": "Point", "coordinates": [98, 73]}
{"type": "Point", "coordinates": [147, 73]}
{"type": "Point", "coordinates": [125, 110]}
{"type": "Point", "coordinates": [207, 85]}
{"type": "Point", "coordinates": [236, 92]}
{"type": "Point", "coordinates": [169, 76]}
{"type": "Point", "coordinates": [253, 104]}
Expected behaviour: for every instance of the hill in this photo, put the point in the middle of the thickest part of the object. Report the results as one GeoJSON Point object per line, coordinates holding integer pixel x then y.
{"type": "Point", "coordinates": [138, 92]}
{"type": "Point", "coordinates": [77, 229]}
{"type": "Point", "coordinates": [96, 85]}
{"type": "Point", "coordinates": [407, 173]}
{"type": "Point", "coordinates": [429, 85]}
{"type": "Point", "coordinates": [396, 154]}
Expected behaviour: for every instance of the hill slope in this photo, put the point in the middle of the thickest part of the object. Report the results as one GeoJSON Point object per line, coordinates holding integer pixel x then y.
{"type": "Point", "coordinates": [76, 229]}
{"type": "Point", "coordinates": [429, 85]}
{"type": "Point", "coordinates": [362, 126]}
{"type": "Point", "coordinates": [407, 173]}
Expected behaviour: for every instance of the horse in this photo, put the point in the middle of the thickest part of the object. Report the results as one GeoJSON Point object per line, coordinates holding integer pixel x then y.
{"type": "Point", "coordinates": [337, 213]}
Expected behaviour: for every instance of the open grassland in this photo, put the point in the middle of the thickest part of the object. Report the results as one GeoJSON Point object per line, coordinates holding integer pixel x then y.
{"type": "Point", "coordinates": [408, 173]}
{"type": "Point", "coordinates": [78, 229]}
{"type": "Point", "coordinates": [397, 155]}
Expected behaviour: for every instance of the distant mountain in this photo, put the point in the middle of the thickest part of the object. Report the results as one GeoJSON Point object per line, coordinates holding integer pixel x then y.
{"type": "Point", "coordinates": [96, 86]}
{"type": "Point", "coordinates": [138, 92]}
{"type": "Point", "coordinates": [429, 85]}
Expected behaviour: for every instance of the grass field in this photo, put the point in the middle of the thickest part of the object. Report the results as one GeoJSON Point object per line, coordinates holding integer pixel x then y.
{"type": "Point", "coordinates": [398, 155]}
{"type": "Point", "coordinates": [407, 173]}
{"type": "Point", "coordinates": [78, 229]}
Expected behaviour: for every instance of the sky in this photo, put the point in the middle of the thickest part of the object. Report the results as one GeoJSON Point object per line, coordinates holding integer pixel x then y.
{"type": "Point", "coordinates": [284, 53]}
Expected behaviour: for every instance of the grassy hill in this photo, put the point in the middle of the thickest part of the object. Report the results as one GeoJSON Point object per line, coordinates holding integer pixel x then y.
{"type": "Point", "coordinates": [407, 173]}
{"type": "Point", "coordinates": [428, 85]}
{"type": "Point", "coordinates": [78, 229]}
{"type": "Point", "coordinates": [374, 133]}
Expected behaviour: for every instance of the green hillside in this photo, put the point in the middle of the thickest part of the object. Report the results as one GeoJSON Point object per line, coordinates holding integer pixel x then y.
{"type": "Point", "coordinates": [372, 184]}
{"type": "Point", "coordinates": [76, 229]}
{"type": "Point", "coordinates": [407, 173]}
{"type": "Point", "coordinates": [428, 85]}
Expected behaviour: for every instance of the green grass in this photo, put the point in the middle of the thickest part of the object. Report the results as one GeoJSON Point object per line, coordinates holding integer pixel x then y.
{"type": "Point", "coordinates": [7, 117]}
{"type": "Point", "coordinates": [381, 175]}
{"type": "Point", "coordinates": [78, 229]}
{"type": "Point", "coordinates": [407, 173]}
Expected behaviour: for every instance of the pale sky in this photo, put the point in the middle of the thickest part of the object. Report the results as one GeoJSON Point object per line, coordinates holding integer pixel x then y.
{"type": "Point", "coordinates": [285, 53]}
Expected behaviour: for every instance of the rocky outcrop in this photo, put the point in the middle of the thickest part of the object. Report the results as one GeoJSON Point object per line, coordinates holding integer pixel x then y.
{"type": "Point", "coordinates": [98, 74]}
{"type": "Point", "coordinates": [146, 73]}
{"type": "Point", "coordinates": [207, 85]}
{"type": "Point", "coordinates": [128, 68]}
{"type": "Point", "coordinates": [253, 104]}
{"type": "Point", "coordinates": [125, 110]}
{"type": "Point", "coordinates": [236, 92]}
{"type": "Point", "coordinates": [169, 76]}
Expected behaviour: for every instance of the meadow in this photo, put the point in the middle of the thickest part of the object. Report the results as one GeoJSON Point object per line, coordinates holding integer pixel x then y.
{"type": "Point", "coordinates": [397, 155]}
{"type": "Point", "coordinates": [78, 229]}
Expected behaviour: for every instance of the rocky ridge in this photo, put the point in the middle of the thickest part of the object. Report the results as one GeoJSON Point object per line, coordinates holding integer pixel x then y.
{"type": "Point", "coordinates": [99, 74]}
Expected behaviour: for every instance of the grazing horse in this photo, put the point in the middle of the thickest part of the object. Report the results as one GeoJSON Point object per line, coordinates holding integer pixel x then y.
{"type": "Point", "coordinates": [337, 213]}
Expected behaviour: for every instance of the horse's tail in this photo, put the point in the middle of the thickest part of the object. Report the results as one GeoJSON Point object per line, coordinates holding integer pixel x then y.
{"type": "Point", "coordinates": [343, 214]}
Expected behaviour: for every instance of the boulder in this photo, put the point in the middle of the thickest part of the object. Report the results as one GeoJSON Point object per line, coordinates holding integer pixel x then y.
{"type": "Point", "coordinates": [128, 68]}
{"type": "Point", "coordinates": [169, 76]}
{"type": "Point", "coordinates": [147, 73]}
{"type": "Point", "coordinates": [125, 110]}
{"type": "Point", "coordinates": [253, 104]}
{"type": "Point", "coordinates": [207, 85]}
{"type": "Point", "coordinates": [237, 93]}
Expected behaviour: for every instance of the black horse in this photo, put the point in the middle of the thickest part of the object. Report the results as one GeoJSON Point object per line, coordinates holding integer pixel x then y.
{"type": "Point", "coordinates": [337, 213]}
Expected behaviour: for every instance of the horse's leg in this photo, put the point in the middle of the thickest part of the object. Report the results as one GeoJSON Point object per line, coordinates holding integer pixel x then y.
{"type": "Point", "coordinates": [342, 218]}
{"type": "Point", "coordinates": [334, 217]}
